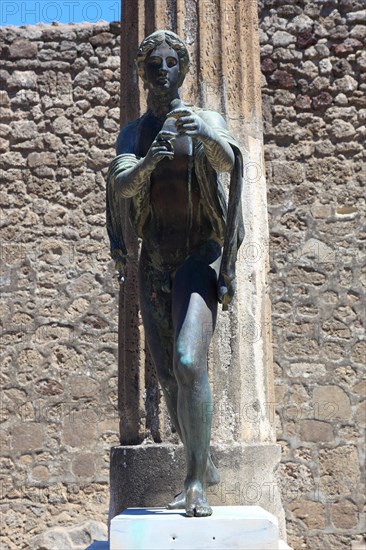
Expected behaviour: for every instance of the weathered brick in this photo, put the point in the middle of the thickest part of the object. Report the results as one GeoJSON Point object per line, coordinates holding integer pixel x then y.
{"type": "Point", "coordinates": [80, 425]}
{"type": "Point", "coordinates": [28, 436]}
{"type": "Point", "coordinates": [311, 513]}
{"type": "Point", "coordinates": [313, 430]}
{"type": "Point", "coordinates": [344, 515]}
{"type": "Point", "coordinates": [22, 49]}
{"type": "Point", "coordinates": [83, 465]}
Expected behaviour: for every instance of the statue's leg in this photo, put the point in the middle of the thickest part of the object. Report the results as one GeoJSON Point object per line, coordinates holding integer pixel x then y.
{"type": "Point", "coordinates": [194, 314]}
{"type": "Point", "coordinates": [156, 310]}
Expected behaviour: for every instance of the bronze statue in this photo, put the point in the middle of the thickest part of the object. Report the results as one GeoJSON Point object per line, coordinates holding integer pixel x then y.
{"type": "Point", "coordinates": [167, 163]}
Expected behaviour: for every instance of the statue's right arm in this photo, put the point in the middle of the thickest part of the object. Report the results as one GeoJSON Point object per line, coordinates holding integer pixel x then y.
{"type": "Point", "coordinates": [130, 180]}
{"type": "Point", "coordinates": [128, 172]}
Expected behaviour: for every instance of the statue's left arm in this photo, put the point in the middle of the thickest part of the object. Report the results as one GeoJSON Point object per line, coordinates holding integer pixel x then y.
{"type": "Point", "coordinates": [203, 126]}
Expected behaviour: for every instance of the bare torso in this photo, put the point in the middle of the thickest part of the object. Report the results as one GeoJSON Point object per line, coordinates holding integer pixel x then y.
{"type": "Point", "coordinates": [177, 224]}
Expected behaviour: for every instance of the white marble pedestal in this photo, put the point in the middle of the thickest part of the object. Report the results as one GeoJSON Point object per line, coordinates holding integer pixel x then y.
{"type": "Point", "coordinates": [229, 528]}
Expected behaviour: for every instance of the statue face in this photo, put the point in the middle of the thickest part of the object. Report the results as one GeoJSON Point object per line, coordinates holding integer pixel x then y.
{"type": "Point", "coordinates": [162, 69]}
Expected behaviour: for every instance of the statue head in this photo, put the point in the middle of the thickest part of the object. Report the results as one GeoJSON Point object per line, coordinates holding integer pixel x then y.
{"type": "Point", "coordinates": [154, 40]}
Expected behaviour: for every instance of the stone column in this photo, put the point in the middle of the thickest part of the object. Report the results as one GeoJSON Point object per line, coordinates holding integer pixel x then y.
{"type": "Point", "coordinates": [148, 468]}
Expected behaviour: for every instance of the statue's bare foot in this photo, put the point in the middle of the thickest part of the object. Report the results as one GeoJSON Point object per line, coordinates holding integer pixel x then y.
{"type": "Point", "coordinates": [178, 502]}
{"type": "Point", "coordinates": [212, 477]}
{"type": "Point", "coordinates": [196, 503]}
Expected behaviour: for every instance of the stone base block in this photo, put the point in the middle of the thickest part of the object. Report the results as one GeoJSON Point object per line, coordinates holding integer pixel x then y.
{"type": "Point", "coordinates": [229, 527]}
{"type": "Point", "coordinates": [151, 475]}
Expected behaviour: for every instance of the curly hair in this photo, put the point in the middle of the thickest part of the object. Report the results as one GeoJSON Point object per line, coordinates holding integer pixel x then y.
{"type": "Point", "coordinates": [154, 40]}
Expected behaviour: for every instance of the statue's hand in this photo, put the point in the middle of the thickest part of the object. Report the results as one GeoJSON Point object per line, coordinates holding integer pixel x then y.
{"type": "Point", "coordinates": [161, 147]}
{"type": "Point", "coordinates": [226, 287]}
{"type": "Point", "coordinates": [189, 123]}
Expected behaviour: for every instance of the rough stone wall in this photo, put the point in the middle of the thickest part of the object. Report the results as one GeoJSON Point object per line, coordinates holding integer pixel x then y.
{"type": "Point", "coordinates": [314, 94]}
{"type": "Point", "coordinates": [59, 120]}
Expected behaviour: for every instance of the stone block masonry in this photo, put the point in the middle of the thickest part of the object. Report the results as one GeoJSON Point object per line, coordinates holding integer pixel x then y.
{"type": "Point", "coordinates": [314, 104]}
{"type": "Point", "coordinates": [59, 110]}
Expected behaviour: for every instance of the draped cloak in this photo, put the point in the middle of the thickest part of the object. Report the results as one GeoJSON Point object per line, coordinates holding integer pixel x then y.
{"type": "Point", "coordinates": [226, 219]}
